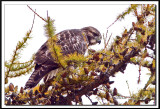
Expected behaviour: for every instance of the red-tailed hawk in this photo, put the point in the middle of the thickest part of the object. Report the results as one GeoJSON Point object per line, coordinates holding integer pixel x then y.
{"type": "Point", "coordinates": [74, 40]}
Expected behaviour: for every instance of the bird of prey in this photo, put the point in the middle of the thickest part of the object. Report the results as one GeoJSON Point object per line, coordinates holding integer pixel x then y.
{"type": "Point", "coordinates": [72, 40]}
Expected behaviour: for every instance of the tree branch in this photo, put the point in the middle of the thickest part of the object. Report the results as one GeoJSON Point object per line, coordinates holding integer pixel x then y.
{"type": "Point", "coordinates": [36, 13]}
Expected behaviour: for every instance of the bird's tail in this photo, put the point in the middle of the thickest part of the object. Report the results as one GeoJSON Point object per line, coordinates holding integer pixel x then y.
{"type": "Point", "coordinates": [36, 76]}
{"type": "Point", "coordinates": [51, 75]}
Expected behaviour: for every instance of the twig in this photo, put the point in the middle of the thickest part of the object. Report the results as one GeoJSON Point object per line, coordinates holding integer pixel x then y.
{"type": "Point", "coordinates": [47, 14]}
{"type": "Point", "coordinates": [109, 39]}
{"type": "Point", "coordinates": [113, 23]}
{"type": "Point", "coordinates": [131, 31]}
{"type": "Point", "coordinates": [124, 96]}
{"type": "Point", "coordinates": [36, 13]}
{"type": "Point", "coordinates": [15, 53]}
{"type": "Point", "coordinates": [102, 101]}
{"type": "Point", "coordinates": [105, 45]}
{"type": "Point", "coordinates": [104, 41]}
{"type": "Point", "coordinates": [106, 33]}
{"type": "Point", "coordinates": [148, 82]}
{"type": "Point", "coordinates": [33, 22]}
{"type": "Point", "coordinates": [150, 57]}
{"type": "Point", "coordinates": [139, 77]}
{"type": "Point", "coordinates": [108, 28]}
{"type": "Point", "coordinates": [128, 88]}
{"type": "Point", "coordinates": [12, 61]}
{"type": "Point", "coordinates": [89, 98]}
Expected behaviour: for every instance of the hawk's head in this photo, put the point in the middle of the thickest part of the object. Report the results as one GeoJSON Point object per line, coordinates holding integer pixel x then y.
{"type": "Point", "coordinates": [92, 34]}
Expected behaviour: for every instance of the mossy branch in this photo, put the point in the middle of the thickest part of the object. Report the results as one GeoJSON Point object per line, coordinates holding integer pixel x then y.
{"type": "Point", "coordinates": [49, 28]}
{"type": "Point", "coordinates": [18, 66]}
{"type": "Point", "coordinates": [15, 57]}
{"type": "Point", "coordinates": [53, 47]}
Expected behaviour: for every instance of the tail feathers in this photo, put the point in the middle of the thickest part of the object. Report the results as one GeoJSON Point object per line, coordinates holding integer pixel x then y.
{"type": "Point", "coordinates": [50, 75]}
{"type": "Point", "coordinates": [35, 77]}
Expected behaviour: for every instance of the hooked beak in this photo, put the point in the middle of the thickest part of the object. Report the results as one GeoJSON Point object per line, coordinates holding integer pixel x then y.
{"type": "Point", "coordinates": [99, 41]}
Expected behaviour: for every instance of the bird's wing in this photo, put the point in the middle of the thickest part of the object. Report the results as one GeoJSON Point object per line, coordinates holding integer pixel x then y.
{"type": "Point", "coordinates": [44, 64]}
{"type": "Point", "coordinates": [70, 40]}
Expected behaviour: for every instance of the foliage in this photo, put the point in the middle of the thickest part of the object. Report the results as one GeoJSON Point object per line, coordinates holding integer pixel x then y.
{"type": "Point", "coordinates": [89, 75]}
{"type": "Point", "coordinates": [14, 68]}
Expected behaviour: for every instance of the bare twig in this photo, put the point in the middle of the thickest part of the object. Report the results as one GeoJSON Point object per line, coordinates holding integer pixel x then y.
{"type": "Point", "coordinates": [107, 31]}
{"type": "Point", "coordinates": [89, 98]}
{"type": "Point", "coordinates": [113, 23]}
{"type": "Point", "coordinates": [109, 39]}
{"type": "Point", "coordinates": [36, 13]}
{"type": "Point", "coordinates": [139, 77]}
{"type": "Point", "coordinates": [128, 88]}
{"type": "Point", "coordinates": [104, 41]}
{"type": "Point", "coordinates": [130, 32]}
{"type": "Point", "coordinates": [47, 14]}
{"type": "Point", "coordinates": [33, 22]}
{"type": "Point", "coordinates": [105, 45]}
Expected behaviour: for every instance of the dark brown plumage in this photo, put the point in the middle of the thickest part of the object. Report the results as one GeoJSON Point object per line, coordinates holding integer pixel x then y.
{"type": "Point", "coordinates": [74, 40]}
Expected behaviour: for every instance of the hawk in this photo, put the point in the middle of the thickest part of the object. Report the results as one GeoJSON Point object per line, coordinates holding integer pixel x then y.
{"type": "Point", "coordinates": [73, 40]}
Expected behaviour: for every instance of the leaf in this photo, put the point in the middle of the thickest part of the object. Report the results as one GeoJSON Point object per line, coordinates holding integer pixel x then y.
{"type": "Point", "coordinates": [64, 74]}
{"type": "Point", "coordinates": [93, 73]}
{"type": "Point", "coordinates": [21, 90]}
{"type": "Point", "coordinates": [94, 103]}
{"type": "Point", "coordinates": [49, 28]}
{"type": "Point", "coordinates": [7, 89]}
{"type": "Point", "coordinates": [11, 87]}
{"type": "Point", "coordinates": [86, 71]}
{"type": "Point", "coordinates": [138, 38]}
{"type": "Point", "coordinates": [145, 53]}
{"type": "Point", "coordinates": [154, 82]}
{"type": "Point", "coordinates": [107, 96]}
{"type": "Point", "coordinates": [125, 103]}
{"type": "Point", "coordinates": [147, 100]}
{"type": "Point", "coordinates": [133, 59]}
{"type": "Point", "coordinates": [153, 63]}
{"type": "Point", "coordinates": [96, 56]}
{"type": "Point", "coordinates": [75, 77]}
{"type": "Point", "coordinates": [109, 53]}
{"type": "Point", "coordinates": [6, 79]}
{"type": "Point", "coordinates": [16, 89]}
{"type": "Point", "coordinates": [77, 99]}
{"type": "Point", "coordinates": [41, 87]}
{"type": "Point", "coordinates": [114, 91]}
{"type": "Point", "coordinates": [115, 61]}
{"type": "Point", "coordinates": [138, 102]}
{"type": "Point", "coordinates": [108, 85]}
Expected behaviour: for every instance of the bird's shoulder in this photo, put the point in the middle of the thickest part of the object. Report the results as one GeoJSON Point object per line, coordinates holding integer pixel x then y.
{"type": "Point", "coordinates": [70, 41]}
